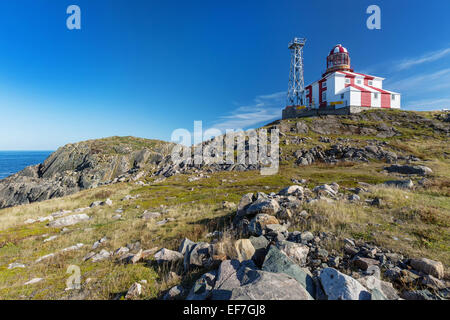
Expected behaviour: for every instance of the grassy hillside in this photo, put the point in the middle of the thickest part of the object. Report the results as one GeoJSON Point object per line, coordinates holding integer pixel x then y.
{"type": "Point", "coordinates": [414, 222]}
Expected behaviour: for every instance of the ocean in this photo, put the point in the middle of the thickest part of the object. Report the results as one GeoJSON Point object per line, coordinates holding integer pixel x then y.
{"type": "Point", "coordinates": [14, 161]}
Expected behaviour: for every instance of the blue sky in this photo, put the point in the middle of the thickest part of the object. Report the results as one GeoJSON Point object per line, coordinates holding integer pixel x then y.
{"type": "Point", "coordinates": [146, 68]}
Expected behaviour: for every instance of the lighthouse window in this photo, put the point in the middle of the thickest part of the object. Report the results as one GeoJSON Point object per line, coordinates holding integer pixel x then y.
{"type": "Point", "coordinates": [393, 97]}
{"type": "Point", "coordinates": [324, 84]}
{"type": "Point", "coordinates": [370, 83]}
{"type": "Point", "coordinates": [358, 81]}
{"type": "Point", "coordinates": [375, 95]}
{"type": "Point", "coordinates": [347, 80]}
{"type": "Point", "coordinates": [342, 96]}
{"type": "Point", "coordinates": [324, 96]}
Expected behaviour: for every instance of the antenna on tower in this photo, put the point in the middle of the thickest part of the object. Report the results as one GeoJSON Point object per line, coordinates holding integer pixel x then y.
{"type": "Point", "coordinates": [296, 83]}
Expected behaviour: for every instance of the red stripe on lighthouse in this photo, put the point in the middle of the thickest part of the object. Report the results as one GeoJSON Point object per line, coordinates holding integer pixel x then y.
{"type": "Point", "coordinates": [385, 96]}
{"type": "Point", "coordinates": [366, 98]}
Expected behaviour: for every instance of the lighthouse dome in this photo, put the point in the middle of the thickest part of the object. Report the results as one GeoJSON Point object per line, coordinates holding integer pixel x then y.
{"type": "Point", "coordinates": [338, 49]}
{"type": "Point", "coordinates": [338, 59]}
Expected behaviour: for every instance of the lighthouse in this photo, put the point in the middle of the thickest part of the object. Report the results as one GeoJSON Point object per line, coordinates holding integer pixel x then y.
{"type": "Point", "coordinates": [341, 90]}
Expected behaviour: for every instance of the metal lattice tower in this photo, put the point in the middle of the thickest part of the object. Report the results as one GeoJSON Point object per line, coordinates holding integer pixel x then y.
{"type": "Point", "coordinates": [296, 83]}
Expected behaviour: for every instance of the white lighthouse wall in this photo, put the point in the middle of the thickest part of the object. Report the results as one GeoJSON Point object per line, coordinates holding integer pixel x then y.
{"type": "Point", "coordinates": [339, 80]}
{"type": "Point", "coordinates": [377, 83]}
{"type": "Point", "coordinates": [396, 102]}
{"type": "Point", "coordinates": [355, 98]}
{"type": "Point", "coordinates": [315, 94]}
{"type": "Point", "coordinates": [375, 102]}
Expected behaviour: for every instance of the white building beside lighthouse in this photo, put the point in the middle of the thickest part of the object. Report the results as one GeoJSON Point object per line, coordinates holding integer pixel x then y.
{"type": "Point", "coordinates": [342, 88]}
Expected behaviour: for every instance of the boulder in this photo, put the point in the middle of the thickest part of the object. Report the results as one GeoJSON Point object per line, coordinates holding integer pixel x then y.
{"type": "Point", "coordinates": [167, 256]}
{"type": "Point", "coordinates": [296, 251]}
{"type": "Point", "coordinates": [102, 255]}
{"type": "Point", "coordinates": [260, 244]}
{"type": "Point", "coordinates": [385, 288]}
{"type": "Point", "coordinates": [364, 263]}
{"type": "Point", "coordinates": [150, 215]}
{"type": "Point", "coordinates": [69, 220]}
{"type": "Point", "coordinates": [267, 206]}
{"type": "Point", "coordinates": [295, 189]}
{"type": "Point", "coordinates": [246, 200]}
{"type": "Point", "coordinates": [404, 184]}
{"type": "Point", "coordinates": [33, 281]}
{"type": "Point", "coordinates": [175, 293]}
{"type": "Point", "coordinates": [262, 285]}
{"type": "Point", "coordinates": [203, 287]}
{"type": "Point", "coordinates": [258, 223]}
{"type": "Point", "coordinates": [198, 255]}
{"type": "Point", "coordinates": [276, 261]}
{"type": "Point", "coordinates": [229, 276]}
{"type": "Point", "coordinates": [244, 249]}
{"type": "Point", "coordinates": [134, 292]}
{"type": "Point", "coordinates": [326, 190]}
{"type": "Point", "coordinates": [434, 268]}
{"type": "Point", "coordinates": [306, 236]}
{"type": "Point", "coordinates": [338, 286]}
{"type": "Point", "coordinates": [418, 295]}
{"type": "Point", "coordinates": [15, 265]}
{"type": "Point", "coordinates": [185, 243]}
{"type": "Point", "coordinates": [406, 169]}
{"type": "Point", "coordinates": [242, 281]}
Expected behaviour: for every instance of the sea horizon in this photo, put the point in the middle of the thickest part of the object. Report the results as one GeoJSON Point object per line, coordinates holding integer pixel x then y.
{"type": "Point", "coordinates": [13, 161]}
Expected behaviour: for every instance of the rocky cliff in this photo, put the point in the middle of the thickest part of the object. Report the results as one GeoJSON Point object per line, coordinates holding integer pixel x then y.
{"type": "Point", "coordinates": [324, 139]}
{"type": "Point", "coordinates": [83, 165]}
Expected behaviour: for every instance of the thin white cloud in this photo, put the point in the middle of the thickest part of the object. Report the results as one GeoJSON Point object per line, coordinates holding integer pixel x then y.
{"type": "Point", "coordinates": [264, 108]}
{"type": "Point", "coordinates": [428, 57]}
{"type": "Point", "coordinates": [429, 104]}
{"type": "Point", "coordinates": [424, 82]}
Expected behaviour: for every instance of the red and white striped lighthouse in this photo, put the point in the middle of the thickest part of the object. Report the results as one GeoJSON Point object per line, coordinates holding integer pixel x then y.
{"type": "Point", "coordinates": [341, 87]}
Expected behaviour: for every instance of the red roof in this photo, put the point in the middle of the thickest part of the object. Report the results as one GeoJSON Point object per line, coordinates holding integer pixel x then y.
{"type": "Point", "coordinates": [338, 49]}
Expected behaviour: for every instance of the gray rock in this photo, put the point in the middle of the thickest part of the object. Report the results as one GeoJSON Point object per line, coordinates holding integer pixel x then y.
{"type": "Point", "coordinates": [203, 287]}
{"type": "Point", "coordinates": [418, 295]}
{"type": "Point", "coordinates": [69, 220]}
{"type": "Point", "coordinates": [306, 236]}
{"type": "Point", "coordinates": [266, 206]}
{"type": "Point", "coordinates": [295, 189]}
{"type": "Point", "coordinates": [229, 276]}
{"type": "Point", "coordinates": [198, 255]}
{"type": "Point", "coordinates": [15, 265]}
{"type": "Point", "coordinates": [405, 184]}
{"type": "Point", "coordinates": [276, 261]}
{"type": "Point", "coordinates": [378, 286]}
{"type": "Point", "coordinates": [261, 285]}
{"type": "Point", "coordinates": [244, 249]}
{"type": "Point", "coordinates": [260, 244]}
{"type": "Point", "coordinates": [185, 243]}
{"type": "Point", "coordinates": [354, 198]}
{"type": "Point", "coordinates": [407, 169]}
{"type": "Point", "coordinates": [338, 286]}
{"type": "Point", "coordinates": [150, 215]}
{"type": "Point", "coordinates": [134, 292]}
{"type": "Point", "coordinates": [258, 224]}
{"type": "Point", "coordinates": [102, 255]}
{"type": "Point", "coordinates": [296, 251]}
{"type": "Point", "coordinates": [434, 268]}
{"type": "Point", "coordinates": [167, 256]}
{"type": "Point", "coordinates": [246, 200]}
{"type": "Point", "coordinates": [175, 293]}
